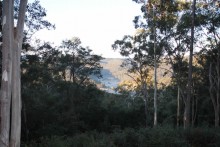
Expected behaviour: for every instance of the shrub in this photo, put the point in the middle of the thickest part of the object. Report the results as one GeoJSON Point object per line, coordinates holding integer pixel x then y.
{"type": "Point", "coordinates": [91, 139]}
{"type": "Point", "coordinates": [143, 137]}
{"type": "Point", "coordinates": [54, 141]}
{"type": "Point", "coordinates": [202, 137]}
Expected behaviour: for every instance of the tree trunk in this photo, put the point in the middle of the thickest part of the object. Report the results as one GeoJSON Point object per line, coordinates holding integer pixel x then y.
{"type": "Point", "coordinates": [218, 90]}
{"type": "Point", "coordinates": [16, 101]}
{"type": "Point", "coordinates": [11, 93]}
{"type": "Point", "coordinates": [144, 90]}
{"type": "Point", "coordinates": [178, 107]}
{"type": "Point", "coordinates": [211, 92]}
{"type": "Point", "coordinates": [155, 95]}
{"type": "Point", "coordinates": [155, 80]}
{"type": "Point", "coordinates": [189, 84]}
{"type": "Point", "coordinates": [194, 107]}
{"type": "Point", "coordinates": [16, 78]}
{"type": "Point", "coordinates": [7, 39]}
{"type": "Point", "coordinates": [193, 111]}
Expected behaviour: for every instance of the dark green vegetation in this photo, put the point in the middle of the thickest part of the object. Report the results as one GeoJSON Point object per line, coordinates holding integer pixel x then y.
{"type": "Point", "coordinates": [144, 137]}
{"type": "Point", "coordinates": [62, 107]}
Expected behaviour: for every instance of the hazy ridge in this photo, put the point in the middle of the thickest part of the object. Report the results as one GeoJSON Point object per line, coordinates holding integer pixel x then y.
{"type": "Point", "coordinates": [113, 74]}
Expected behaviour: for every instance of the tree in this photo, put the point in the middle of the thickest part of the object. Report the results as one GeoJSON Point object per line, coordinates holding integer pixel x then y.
{"type": "Point", "coordinates": [139, 60]}
{"type": "Point", "coordinates": [79, 61]}
{"type": "Point", "coordinates": [150, 15]}
{"type": "Point", "coordinates": [11, 52]}
{"type": "Point", "coordinates": [189, 84]}
{"type": "Point", "coordinates": [208, 23]}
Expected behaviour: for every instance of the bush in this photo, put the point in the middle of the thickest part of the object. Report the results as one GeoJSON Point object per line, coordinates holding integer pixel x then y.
{"type": "Point", "coordinates": [203, 137]}
{"type": "Point", "coordinates": [54, 141]}
{"type": "Point", "coordinates": [143, 137]}
{"type": "Point", "coordinates": [91, 139]}
{"type": "Point", "coordinates": [125, 138]}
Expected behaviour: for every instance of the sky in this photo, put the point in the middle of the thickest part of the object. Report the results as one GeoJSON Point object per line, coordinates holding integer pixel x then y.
{"type": "Point", "coordinates": [98, 23]}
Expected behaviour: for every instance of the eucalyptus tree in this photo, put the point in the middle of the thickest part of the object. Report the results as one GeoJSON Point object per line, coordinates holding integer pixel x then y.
{"type": "Point", "coordinates": [176, 44]}
{"type": "Point", "coordinates": [195, 29]}
{"type": "Point", "coordinates": [13, 20]}
{"type": "Point", "coordinates": [182, 42]}
{"type": "Point", "coordinates": [161, 17]}
{"type": "Point", "coordinates": [12, 37]}
{"type": "Point", "coordinates": [149, 21]}
{"type": "Point", "coordinates": [172, 21]}
{"type": "Point", "coordinates": [80, 62]}
{"type": "Point", "coordinates": [139, 60]}
{"type": "Point", "coordinates": [189, 83]}
{"type": "Point", "coordinates": [208, 21]}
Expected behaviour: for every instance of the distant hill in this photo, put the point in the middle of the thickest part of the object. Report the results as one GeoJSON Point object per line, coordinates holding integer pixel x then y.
{"type": "Point", "coordinates": [113, 74]}
{"type": "Point", "coordinates": [114, 66]}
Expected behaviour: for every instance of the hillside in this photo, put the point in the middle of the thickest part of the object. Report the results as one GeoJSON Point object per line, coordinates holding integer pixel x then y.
{"type": "Point", "coordinates": [113, 74]}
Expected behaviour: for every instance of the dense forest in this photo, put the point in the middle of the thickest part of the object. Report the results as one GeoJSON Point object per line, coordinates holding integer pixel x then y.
{"type": "Point", "coordinates": [48, 98]}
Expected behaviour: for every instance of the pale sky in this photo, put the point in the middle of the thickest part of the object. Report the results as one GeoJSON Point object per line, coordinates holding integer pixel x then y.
{"type": "Point", "coordinates": [98, 23]}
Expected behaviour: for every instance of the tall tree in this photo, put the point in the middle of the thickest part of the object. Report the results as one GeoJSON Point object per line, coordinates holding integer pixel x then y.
{"type": "Point", "coordinates": [11, 52]}
{"type": "Point", "coordinates": [209, 23]}
{"type": "Point", "coordinates": [155, 70]}
{"type": "Point", "coordinates": [149, 11]}
{"type": "Point", "coordinates": [139, 60]}
{"type": "Point", "coordinates": [189, 84]}
{"type": "Point", "coordinates": [79, 61]}
{"type": "Point", "coordinates": [172, 24]}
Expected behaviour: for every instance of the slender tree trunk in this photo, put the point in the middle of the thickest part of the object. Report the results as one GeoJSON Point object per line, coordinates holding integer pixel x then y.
{"type": "Point", "coordinates": [218, 90]}
{"type": "Point", "coordinates": [211, 92]}
{"type": "Point", "coordinates": [189, 84]}
{"type": "Point", "coordinates": [193, 111]}
{"type": "Point", "coordinates": [7, 39]}
{"type": "Point", "coordinates": [144, 90]}
{"type": "Point", "coordinates": [177, 76]}
{"type": "Point", "coordinates": [178, 107]}
{"type": "Point", "coordinates": [155, 95]}
{"type": "Point", "coordinates": [155, 80]}
{"type": "Point", "coordinates": [194, 108]}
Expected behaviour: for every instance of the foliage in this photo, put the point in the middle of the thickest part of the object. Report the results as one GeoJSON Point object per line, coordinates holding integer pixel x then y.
{"type": "Point", "coordinates": [79, 60]}
{"type": "Point", "coordinates": [143, 137]}
{"type": "Point", "coordinates": [139, 57]}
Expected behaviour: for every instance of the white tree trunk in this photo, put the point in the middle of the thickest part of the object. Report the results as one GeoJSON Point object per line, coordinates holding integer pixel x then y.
{"type": "Point", "coordinates": [10, 85]}
{"type": "Point", "coordinates": [16, 78]}
{"type": "Point", "coordinates": [155, 78]}
{"type": "Point", "coordinates": [7, 36]}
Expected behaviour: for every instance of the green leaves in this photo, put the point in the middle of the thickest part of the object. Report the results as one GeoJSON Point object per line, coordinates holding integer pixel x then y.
{"type": "Point", "coordinates": [79, 60]}
{"type": "Point", "coordinates": [35, 19]}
